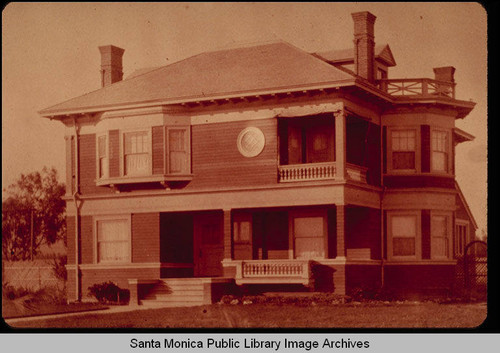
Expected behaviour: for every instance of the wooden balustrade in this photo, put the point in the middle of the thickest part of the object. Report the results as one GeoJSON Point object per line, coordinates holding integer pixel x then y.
{"type": "Point", "coordinates": [272, 271]}
{"type": "Point", "coordinates": [417, 87]}
{"type": "Point", "coordinates": [306, 171]}
{"type": "Point", "coordinates": [318, 171]}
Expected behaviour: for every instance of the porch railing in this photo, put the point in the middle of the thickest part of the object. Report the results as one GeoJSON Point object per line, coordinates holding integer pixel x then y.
{"type": "Point", "coordinates": [318, 171]}
{"type": "Point", "coordinates": [273, 271]}
{"type": "Point", "coordinates": [417, 87]}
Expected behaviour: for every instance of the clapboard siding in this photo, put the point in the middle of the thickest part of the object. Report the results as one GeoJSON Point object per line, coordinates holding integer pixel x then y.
{"type": "Point", "coordinates": [88, 166]}
{"type": "Point", "coordinates": [145, 237]}
{"type": "Point", "coordinates": [218, 163]}
{"type": "Point", "coordinates": [87, 240]}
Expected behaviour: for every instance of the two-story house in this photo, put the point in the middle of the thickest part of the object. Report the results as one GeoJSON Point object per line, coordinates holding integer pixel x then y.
{"type": "Point", "coordinates": [265, 165]}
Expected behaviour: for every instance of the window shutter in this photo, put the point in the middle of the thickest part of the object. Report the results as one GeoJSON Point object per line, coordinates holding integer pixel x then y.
{"type": "Point", "coordinates": [384, 149]}
{"type": "Point", "coordinates": [425, 135]}
{"type": "Point", "coordinates": [283, 141]}
{"type": "Point", "coordinates": [158, 162]}
{"type": "Point", "coordinates": [114, 153]}
{"type": "Point", "coordinates": [426, 234]}
{"type": "Point", "coordinates": [70, 164]}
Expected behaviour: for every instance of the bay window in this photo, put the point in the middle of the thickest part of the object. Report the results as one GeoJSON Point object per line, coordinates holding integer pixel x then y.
{"type": "Point", "coordinates": [440, 237]}
{"type": "Point", "coordinates": [136, 146]}
{"type": "Point", "coordinates": [102, 157]}
{"type": "Point", "coordinates": [439, 151]}
{"type": "Point", "coordinates": [404, 235]}
{"type": "Point", "coordinates": [403, 147]}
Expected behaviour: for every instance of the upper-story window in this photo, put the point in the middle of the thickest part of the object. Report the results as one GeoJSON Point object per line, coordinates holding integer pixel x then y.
{"type": "Point", "coordinates": [102, 157]}
{"type": "Point", "coordinates": [136, 147]}
{"type": "Point", "coordinates": [440, 154]}
{"type": "Point", "coordinates": [403, 146]}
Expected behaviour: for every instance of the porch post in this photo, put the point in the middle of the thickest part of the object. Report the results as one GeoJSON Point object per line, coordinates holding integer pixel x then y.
{"type": "Point", "coordinates": [228, 244]}
{"type": "Point", "coordinates": [340, 142]}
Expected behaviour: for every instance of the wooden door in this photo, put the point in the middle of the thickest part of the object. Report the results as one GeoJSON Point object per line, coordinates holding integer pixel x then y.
{"type": "Point", "coordinates": [209, 247]}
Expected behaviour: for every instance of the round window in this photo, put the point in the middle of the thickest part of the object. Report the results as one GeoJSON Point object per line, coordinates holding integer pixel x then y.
{"type": "Point", "coordinates": [251, 142]}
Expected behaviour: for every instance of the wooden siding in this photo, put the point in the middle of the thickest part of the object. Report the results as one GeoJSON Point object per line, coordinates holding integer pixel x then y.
{"type": "Point", "coordinates": [88, 167]}
{"type": "Point", "coordinates": [87, 240]}
{"type": "Point", "coordinates": [218, 163]}
{"type": "Point", "coordinates": [412, 278]}
{"type": "Point", "coordinates": [145, 237]}
{"type": "Point", "coordinates": [158, 150]}
{"type": "Point", "coordinates": [363, 229]}
{"type": "Point", "coordinates": [70, 239]}
{"type": "Point", "coordinates": [412, 181]}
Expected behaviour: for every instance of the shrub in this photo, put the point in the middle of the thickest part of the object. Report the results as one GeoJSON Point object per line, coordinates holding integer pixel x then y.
{"type": "Point", "coordinates": [59, 267]}
{"type": "Point", "coordinates": [108, 292]}
{"type": "Point", "coordinates": [10, 292]}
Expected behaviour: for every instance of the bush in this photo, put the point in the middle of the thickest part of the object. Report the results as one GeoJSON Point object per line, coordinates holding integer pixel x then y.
{"type": "Point", "coordinates": [10, 292]}
{"type": "Point", "coordinates": [108, 292]}
{"type": "Point", "coordinates": [59, 267]}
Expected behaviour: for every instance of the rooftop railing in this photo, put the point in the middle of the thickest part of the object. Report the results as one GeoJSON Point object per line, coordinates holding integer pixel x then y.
{"type": "Point", "coordinates": [417, 87]}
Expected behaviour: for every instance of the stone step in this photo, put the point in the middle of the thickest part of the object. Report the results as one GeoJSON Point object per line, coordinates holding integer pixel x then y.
{"type": "Point", "coordinates": [169, 304]}
{"type": "Point", "coordinates": [166, 288]}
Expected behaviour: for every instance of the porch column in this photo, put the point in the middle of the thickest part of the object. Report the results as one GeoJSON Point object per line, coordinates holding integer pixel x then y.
{"type": "Point", "coordinates": [340, 143]}
{"type": "Point", "coordinates": [228, 244]}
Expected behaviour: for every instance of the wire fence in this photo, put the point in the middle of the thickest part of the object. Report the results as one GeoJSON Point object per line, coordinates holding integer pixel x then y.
{"type": "Point", "coordinates": [30, 275]}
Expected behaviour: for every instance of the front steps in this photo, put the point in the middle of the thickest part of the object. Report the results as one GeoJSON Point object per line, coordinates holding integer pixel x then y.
{"type": "Point", "coordinates": [182, 292]}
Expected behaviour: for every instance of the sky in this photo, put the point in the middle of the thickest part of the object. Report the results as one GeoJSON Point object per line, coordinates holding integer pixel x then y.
{"type": "Point", "coordinates": [50, 54]}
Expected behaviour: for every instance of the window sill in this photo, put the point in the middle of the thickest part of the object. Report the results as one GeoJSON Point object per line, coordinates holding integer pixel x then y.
{"type": "Point", "coordinates": [144, 179]}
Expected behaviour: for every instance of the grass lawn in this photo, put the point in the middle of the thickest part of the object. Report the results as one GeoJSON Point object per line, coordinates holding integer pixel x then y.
{"type": "Point", "coordinates": [18, 308]}
{"type": "Point", "coordinates": [403, 315]}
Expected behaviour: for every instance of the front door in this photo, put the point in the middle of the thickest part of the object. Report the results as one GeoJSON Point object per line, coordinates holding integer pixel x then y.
{"type": "Point", "coordinates": [209, 247]}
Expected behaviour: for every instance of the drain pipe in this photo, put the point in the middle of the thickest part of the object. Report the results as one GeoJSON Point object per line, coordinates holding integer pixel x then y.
{"type": "Point", "coordinates": [382, 276]}
{"type": "Point", "coordinates": [76, 195]}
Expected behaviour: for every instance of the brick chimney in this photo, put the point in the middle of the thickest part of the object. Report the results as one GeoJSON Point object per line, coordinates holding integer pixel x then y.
{"type": "Point", "coordinates": [111, 64]}
{"type": "Point", "coordinates": [364, 44]}
{"type": "Point", "coordinates": [445, 73]}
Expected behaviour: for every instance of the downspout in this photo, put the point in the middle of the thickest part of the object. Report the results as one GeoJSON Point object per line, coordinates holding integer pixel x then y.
{"type": "Point", "coordinates": [77, 213]}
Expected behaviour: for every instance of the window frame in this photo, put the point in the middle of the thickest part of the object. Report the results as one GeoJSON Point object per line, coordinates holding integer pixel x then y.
{"type": "Point", "coordinates": [418, 235]}
{"type": "Point", "coordinates": [118, 217]}
{"type": "Point", "coordinates": [98, 158]}
{"type": "Point", "coordinates": [122, 152]}
{"type": "Point", "coordinates": [187, 145]}
{"type": "Point", "coordinates": [457, 250]}
{"type": "Point", "coordinates": [237, 220]}
{"type": "Point", "coordinates": [448, 151]}
{"type": "Point", "coordinates": [390, 168]}
{"type": "Point", "coordinates": [449, 241]}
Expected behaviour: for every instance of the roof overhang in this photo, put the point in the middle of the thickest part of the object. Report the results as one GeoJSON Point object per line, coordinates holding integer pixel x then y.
{"type": "Point", "coordinates": [462, 136]}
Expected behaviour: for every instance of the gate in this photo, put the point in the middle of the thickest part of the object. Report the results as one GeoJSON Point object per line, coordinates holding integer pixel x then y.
{"type": "Point", "coordinates": [475, 270]}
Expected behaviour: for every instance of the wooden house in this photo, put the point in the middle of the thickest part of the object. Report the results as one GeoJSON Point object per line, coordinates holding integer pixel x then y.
{"type": "Point", "coordinates": [265, 165]}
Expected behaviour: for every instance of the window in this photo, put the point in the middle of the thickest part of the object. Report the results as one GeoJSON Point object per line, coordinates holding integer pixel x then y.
{"type": "Point", "coordinates": [102, 157]}
{"type": "Point", "coordinates": [310, 237]}
{"type": "Point", "coordinates": [404, 235]}
{"type": "Point", "coordinates": [439, 237]}
{"type": "Point", "coordinates": [439, 151]}
{"type": "Point", "coordinates": [403, 145]}
{"type": "Point", "coordinates": [461, 228]}
{"type": "Point", "coordinates": [242, 231]}
{"type": "Point", "coordinates": [136, 146]}
{"type": "Point", "coordinates": [178, 150]}
{"type": "Point", "coordinates": [113, 240]}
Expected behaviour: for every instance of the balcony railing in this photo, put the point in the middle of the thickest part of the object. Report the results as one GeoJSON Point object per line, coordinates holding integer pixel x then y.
{"type": "Point", "coordinates": [273, 271]}
{"type": "Point", "coordinates": [417, 87]}
{"type": "Point", "coordinates": [318, 171]}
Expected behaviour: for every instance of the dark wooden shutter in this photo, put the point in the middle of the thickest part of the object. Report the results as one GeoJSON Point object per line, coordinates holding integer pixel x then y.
{"type": "Point", "coordinates": [158, 150]}
{"type": "Point", "coordinates": [426, 234]}
{"type": "Point", "coordinates": [114, 153]}
{"type": "Point", "coordinates": [384, 229]}
{"type": "Point", "coordinates": [384, 148]}
{"type": "Point", "coordinates": [283, 141]}
{"type": "Point", "coordinates": [425, 135]}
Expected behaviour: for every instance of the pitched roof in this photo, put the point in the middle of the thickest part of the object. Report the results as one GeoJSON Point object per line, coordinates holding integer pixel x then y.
{"type": "Point", "coordinates": [382, 52]}
{"type": "Point", "coordinates": [259, 68]}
